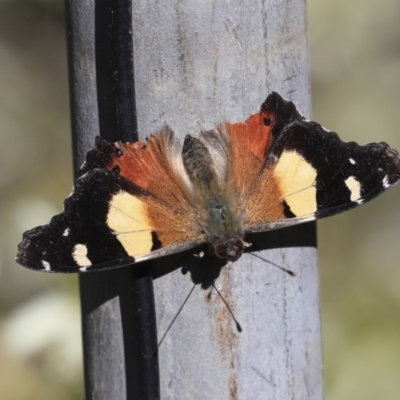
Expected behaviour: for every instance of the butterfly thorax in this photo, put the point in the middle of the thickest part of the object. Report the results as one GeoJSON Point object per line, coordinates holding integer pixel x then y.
{"type": "Point", "coordinates": [218, 217]}
{"type": "Point", "coordinates": [224, 230]}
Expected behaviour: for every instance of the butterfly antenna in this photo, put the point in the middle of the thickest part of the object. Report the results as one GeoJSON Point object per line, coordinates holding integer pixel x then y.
{"type": "Point", "coordinates": [176, 316]}
{"type": "Point", "coordinates": [238, 327]}
{"type": "Point", "coordinates": [288, 271]}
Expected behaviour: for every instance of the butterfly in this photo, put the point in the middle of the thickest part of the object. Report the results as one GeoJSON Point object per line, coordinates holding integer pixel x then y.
{"type": "Point", "coordinates": [138, 201]}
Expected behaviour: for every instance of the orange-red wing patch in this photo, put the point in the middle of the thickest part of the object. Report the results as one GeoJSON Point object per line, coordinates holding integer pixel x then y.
{"type": "Point", "coordinates": [270, 187]}
{"type": "Point", "coordinates": [249, 142]}
{"type": "Point", "coordinates": [148, 167]}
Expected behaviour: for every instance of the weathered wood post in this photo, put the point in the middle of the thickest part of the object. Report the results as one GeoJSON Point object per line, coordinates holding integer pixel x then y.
{"type": "Point", "coordinates": [197, 64]}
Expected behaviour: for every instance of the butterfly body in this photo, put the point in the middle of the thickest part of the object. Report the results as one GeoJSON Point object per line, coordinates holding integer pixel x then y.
{"type": "Point", "coordinates": [218, 215]}
{"type": "Point", "coordinates": [224, 232]}
{"type": "Point", "coordinates": [137, 201]}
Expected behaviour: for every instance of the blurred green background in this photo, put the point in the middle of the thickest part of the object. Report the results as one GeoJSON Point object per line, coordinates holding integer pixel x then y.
{"type": "Point", "coordinates": [355, 70]}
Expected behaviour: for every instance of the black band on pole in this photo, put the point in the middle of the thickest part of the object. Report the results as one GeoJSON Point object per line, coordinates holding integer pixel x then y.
{"type": "Point", "coordinates": [118, 315]}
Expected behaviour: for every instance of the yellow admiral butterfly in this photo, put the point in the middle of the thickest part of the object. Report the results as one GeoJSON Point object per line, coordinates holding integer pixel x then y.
{"type": "Point", "coordinates": [137, 201]}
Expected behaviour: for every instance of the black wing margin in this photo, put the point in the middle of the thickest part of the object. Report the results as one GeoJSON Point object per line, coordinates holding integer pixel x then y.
{"type": "Point", "coordinates": [346, 173]}
{"type": "Point", "coordinates": [79, 237]}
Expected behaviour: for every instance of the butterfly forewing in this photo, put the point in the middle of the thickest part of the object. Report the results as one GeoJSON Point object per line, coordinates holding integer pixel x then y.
{"type": "Point", "coordinates": [311, 173]}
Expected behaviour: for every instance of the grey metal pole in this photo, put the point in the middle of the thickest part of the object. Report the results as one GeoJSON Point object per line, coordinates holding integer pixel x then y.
{"type": "Point", "coordinates": [118, 318]}
{"type": "Point", "coordinates": [198, 64]}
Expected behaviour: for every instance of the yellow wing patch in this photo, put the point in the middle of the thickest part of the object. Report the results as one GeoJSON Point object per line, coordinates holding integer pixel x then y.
{"type": "Point", "coordinates": [296, 180]}
{"type": "Point", "coordinates": [128, 218]}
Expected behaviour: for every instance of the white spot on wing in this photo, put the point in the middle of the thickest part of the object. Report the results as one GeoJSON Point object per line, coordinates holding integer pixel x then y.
{"type": "Point", "coordinates": [385, 182]}
{"type": "Point", "coordinates": [66, 232]}
{"type": "Point", "coordinates": [79, 254]}
{"type": "Point", "coordinates": [46, 265]}
{"type": "Point", "coordinates": [352, 161]}
{"type": "Point", "coordinates": [355, 189]}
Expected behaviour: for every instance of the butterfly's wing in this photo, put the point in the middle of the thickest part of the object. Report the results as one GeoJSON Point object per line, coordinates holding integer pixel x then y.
{"type": "Point", "coordinates": [126, 207]}
{"type": "Point", "coordinates": [135, 202]}
{"type": "Point", "coordinates": [301, 172]}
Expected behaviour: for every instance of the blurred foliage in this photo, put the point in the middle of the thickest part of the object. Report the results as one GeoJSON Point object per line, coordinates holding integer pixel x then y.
{"type": "Point", "coordinates": [355, 70]}
{"type": "Point", "coordinates": [40, 341]}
